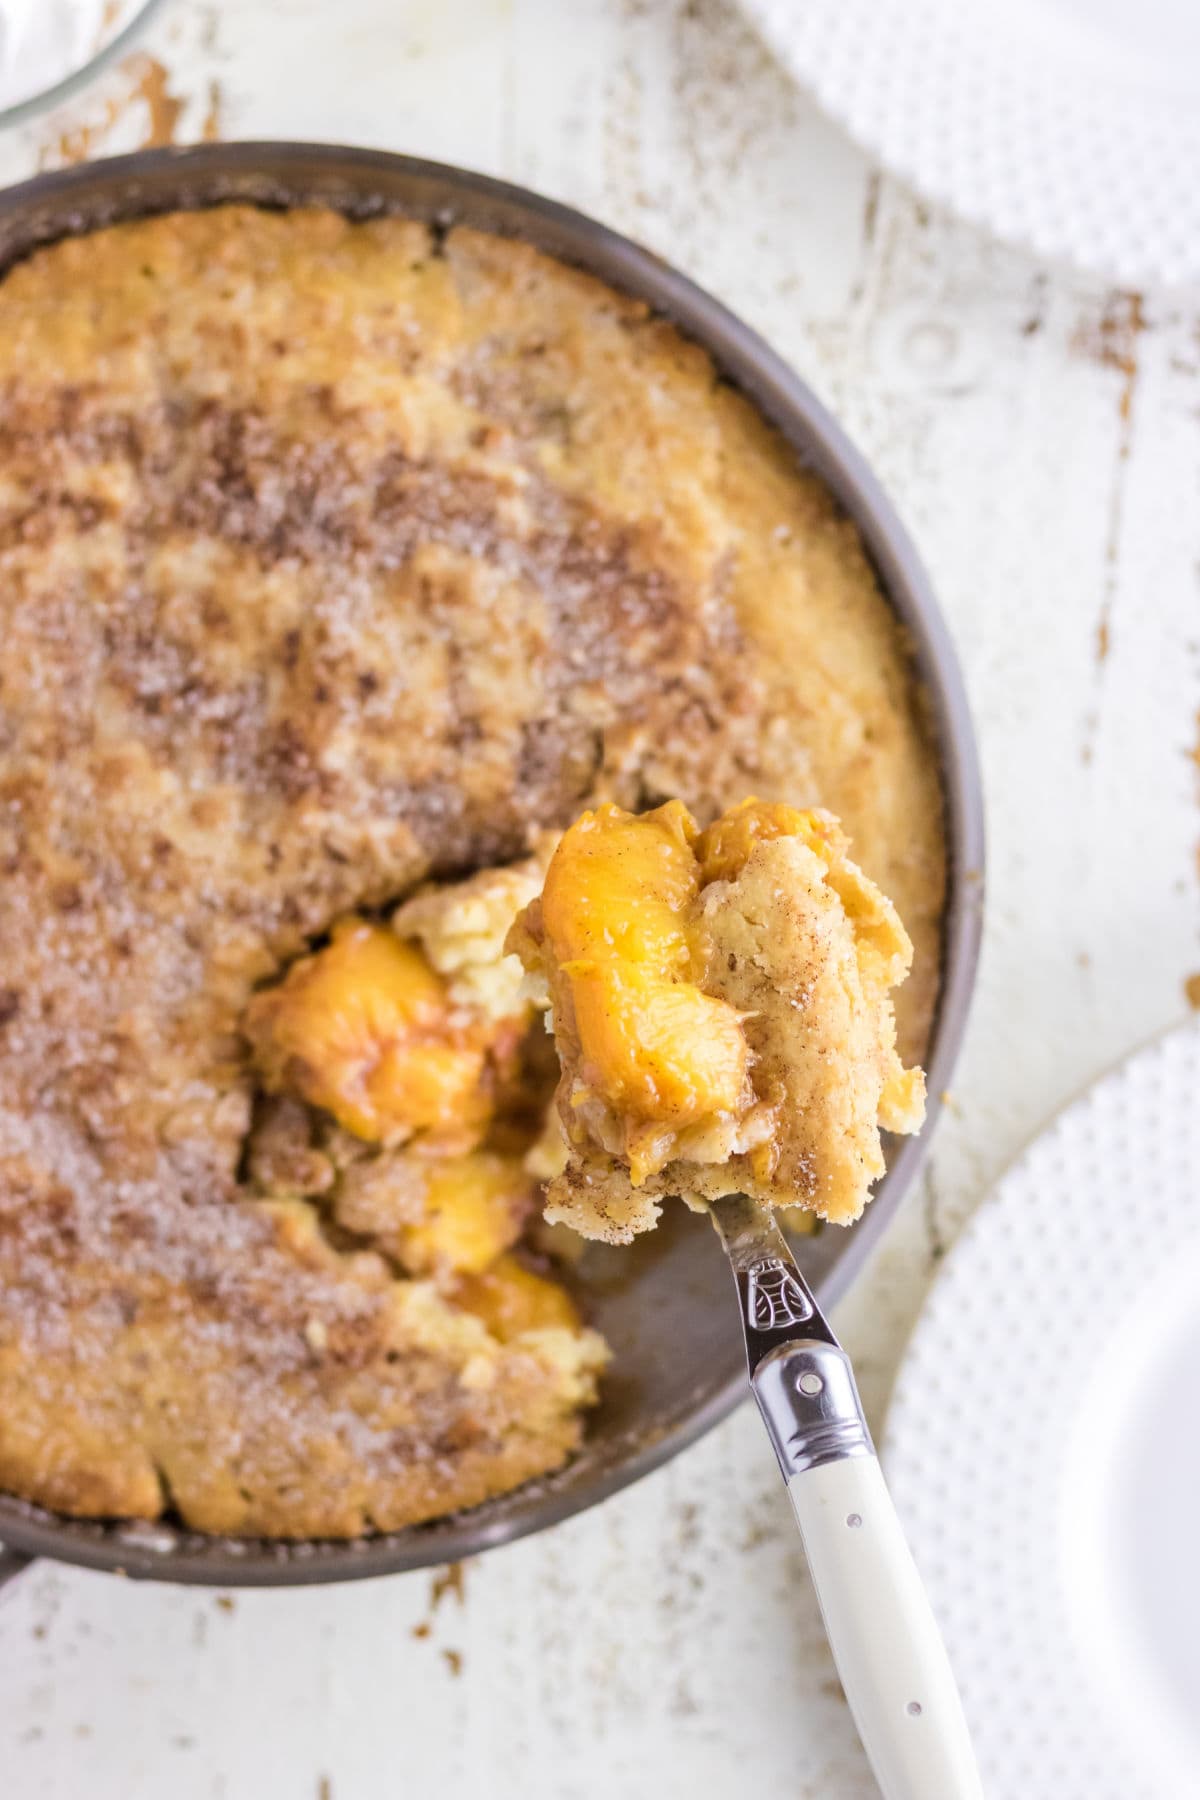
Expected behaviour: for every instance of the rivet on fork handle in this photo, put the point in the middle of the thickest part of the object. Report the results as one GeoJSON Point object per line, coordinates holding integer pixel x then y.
{"type": "Point", "coordinates": [809, 1401]}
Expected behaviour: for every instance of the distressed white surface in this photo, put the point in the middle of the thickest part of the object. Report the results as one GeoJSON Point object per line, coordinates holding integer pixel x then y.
{"type": "Point", "coordinates": [667, 1644]}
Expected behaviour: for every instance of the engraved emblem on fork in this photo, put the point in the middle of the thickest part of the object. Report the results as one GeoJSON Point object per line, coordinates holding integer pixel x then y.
{"type": "Point", "coordinates": [775, 1298]}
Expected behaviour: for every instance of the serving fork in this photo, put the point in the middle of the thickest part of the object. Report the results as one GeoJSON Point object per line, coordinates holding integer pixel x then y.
{"type": "Point", "coordinates": [885, 1641]}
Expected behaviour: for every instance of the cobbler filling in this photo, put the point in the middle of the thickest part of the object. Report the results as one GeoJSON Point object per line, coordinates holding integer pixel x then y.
{"type": "Point", "coordinates": [406, 1088]}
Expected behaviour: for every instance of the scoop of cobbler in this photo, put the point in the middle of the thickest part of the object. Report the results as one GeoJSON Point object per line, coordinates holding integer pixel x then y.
{"type": "Point", "coordinates": [721, 1004]}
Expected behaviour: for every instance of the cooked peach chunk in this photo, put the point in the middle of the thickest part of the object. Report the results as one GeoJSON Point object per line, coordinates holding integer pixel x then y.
{"type": "Point", "coordinates": [511, 1299]}
{"type": "Point", "coordinates": [617, 886]}
{"type": "Point", "coordinates": [364, 1029]}
{"type": "Point", "coordinates": [723, 849]}
{"type": "Point", "coordinates": [614, 912]}
{"type": "Point", "coordinates": [473, 1209]}
{"type": "Point", "coordinates": [658, 1049]}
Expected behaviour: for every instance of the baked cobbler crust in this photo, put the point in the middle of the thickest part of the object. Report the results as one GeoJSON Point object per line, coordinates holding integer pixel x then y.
{"type": "Point", "coordinates": [334, 558]}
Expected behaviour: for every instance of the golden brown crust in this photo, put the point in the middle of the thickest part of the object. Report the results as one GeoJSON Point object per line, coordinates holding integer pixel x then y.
{"type": "Point", "coordinates": [328, 560]}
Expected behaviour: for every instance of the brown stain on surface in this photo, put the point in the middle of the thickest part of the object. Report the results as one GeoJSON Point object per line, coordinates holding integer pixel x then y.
{"type": "Point", "coordinates": [870, 214]}
{"type": "Point", "coordinates": [145, 82]}
{"type": "Point", "coordinates": [210, 130]}
{"type": "Point", "coordinates": [1127, 360]}
{"type": "Point", "coordinates": [454, 1661]}
{"type": "Point", "coordinates": [152, 84]}
{"type": "Point", "coordinates": [1191, 988]}
{"type": "Point", "coordinates": [1115, 343]}
{"type": "Point", "coordinates": [1035, 319]}
{"type": "Point", "coordinates": [935, 1237]}
{"type": "Point", "coordinates": [75, 143]}
{"type": "Point", "coordinates": [448, 1581]}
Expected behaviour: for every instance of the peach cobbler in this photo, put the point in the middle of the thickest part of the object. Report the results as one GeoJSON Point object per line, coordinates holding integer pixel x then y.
{"type": "Point", "coordinates": [343, 567]}
{"type": "Point", "coordinates": [722, 1008]}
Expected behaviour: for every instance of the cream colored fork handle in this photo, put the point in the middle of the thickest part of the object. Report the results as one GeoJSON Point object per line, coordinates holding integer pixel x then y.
{"type": "Point", "coordinates": [883, 1634]}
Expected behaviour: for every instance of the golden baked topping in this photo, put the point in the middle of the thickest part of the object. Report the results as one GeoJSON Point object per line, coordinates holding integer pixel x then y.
{"type": "Point", "coordinates": [722, 1010]}
{"type": "Point", "coordinates": [340, 560]}
{"type": "Point", "coordinates": [461, 931]}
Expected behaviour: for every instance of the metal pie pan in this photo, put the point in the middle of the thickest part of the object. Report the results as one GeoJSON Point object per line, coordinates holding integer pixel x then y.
{"type": "Point", "coordinates": [664, 1303]}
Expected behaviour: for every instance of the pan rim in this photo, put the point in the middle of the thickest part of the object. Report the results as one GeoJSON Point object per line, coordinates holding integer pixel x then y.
{"type": "Point", "coordinates": [158, 180]}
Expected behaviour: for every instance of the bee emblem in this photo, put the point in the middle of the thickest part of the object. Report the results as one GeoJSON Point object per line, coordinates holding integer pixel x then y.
{"type": "Point", "coordinates": [775, 1298]}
